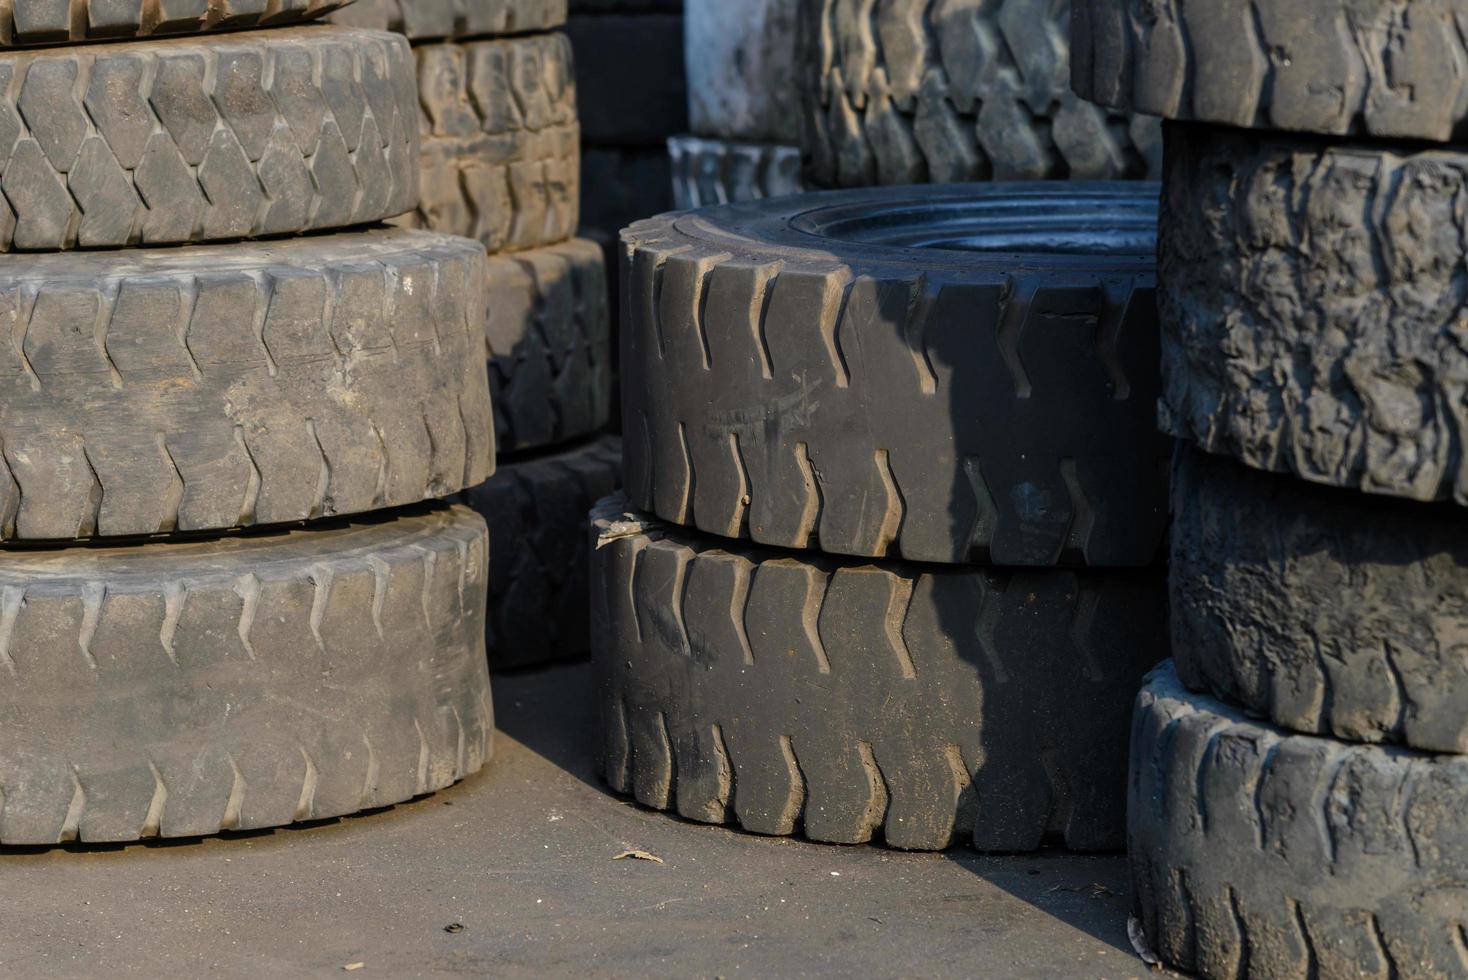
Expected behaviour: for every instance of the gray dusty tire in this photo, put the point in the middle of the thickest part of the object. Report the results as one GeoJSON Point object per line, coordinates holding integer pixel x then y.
{"type": "Point", "coordinates": [908, 91]}
{"type": "Point", "coordinates": [27, 22]}
{"type": "Point", "coordinates": [1319, 609]}
{"type": "Point", "coordinates": [215, 386]}
{"type": "Point", "coordinates": [1256, 852]}
{"type": "Point", "coordinates": [205, 138]}
{"type": "Point", "coordinates": [550, 345]}
{"type": "Point", "coordinates": [710, 172]}
{"type": "Point", "coordinates": [180, 688]}
{"type": "Point", "coordinates": [1390, 70]}
{"type": "Point", "coordinates": [743, 63]}
{"type": "Point", "coordinates": [501, 154]}
{"type": "Point", "coordinates": [537, 512]}
{"type": "Point", "coordinates": [844, 700]}
{"type": "Point", "coordinates": [949, 374]}
{"type": "Point", "coordinates": [1311, 314]}
{"type": "Point", "coordinates": [436, 20]}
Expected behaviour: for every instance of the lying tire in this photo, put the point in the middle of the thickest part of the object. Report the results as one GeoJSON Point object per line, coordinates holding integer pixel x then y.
{"type": "Point", "coordinates": [943, 374]}
{"type": "Point", "coordinates": [435, 20]}
{"type": "Point", "coordinates": [843, 700]}
{"type": "Point", "coordinates": [707, 173]}
{"type": "Point", "coordinates": [74, 21]}
{"type": "Point", "coordinates": [1321, 66]}
{"type": "Point", "coordinates": [1310, 311]}
{"type": "Point", "coordinates": [907, 91]}
{"type": "Point", "coordinates": [205, 138]}
{"type": "Point", "coordinates": [500, 141]}
{"type": "Point", "coordinates": [538, 604]}
{"type": "Point", "coordinates": [233, 385]}
{"type": "Point", "coordinates": [1259, 853]}
{"type": "Point", "coordinates": [181, 688]}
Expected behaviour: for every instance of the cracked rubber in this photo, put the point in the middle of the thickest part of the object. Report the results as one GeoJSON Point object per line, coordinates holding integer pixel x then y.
{"type": "Point", "coordinates": [800, 372]}
{"type": "Point", "coordinates": [180, 688]}
{"type": "Point", "coordinates": [710, 172]}
{"type": "Point", "coordinates": [537, 513]}
{"type": "Point", "coordinates": [840, 700]}
{"type": "Point", "coordinates": [501, 156]}
{"type": "Point", "coordinates": [1259, 853]}
{"type": "Point", "coordinates": [434, 20]}
{"type": "Point", "coordinates": [1312, 300]}
{"type": "Point", "coordinates": [155, 390]}
{"type": "Point", "coordinates": [909, 91]}
{"type": "Point", "coordinates": [205, 138]}
{"type": "Point", "coordinates": [26, 22]}
{"type": "Point", "coordinates": [549, 334]}
{"type": "Point", "coordinates": [1318, 609]}
{"type": "Point", "coordinates": [1393, 69]}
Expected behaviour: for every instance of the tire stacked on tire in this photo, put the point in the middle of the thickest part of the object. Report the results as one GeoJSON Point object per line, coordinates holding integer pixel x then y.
{"type": "Point", "coordinates": [1298, 784]}
{"type": "Point", "coordinates": [230, 596]}
{"type": "Point", "coordinates": [887, 561]}
{"type": "Point", "coordinates": [501, 164]}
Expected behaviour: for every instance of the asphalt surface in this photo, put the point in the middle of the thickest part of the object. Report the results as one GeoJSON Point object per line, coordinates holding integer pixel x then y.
{"type": "Point", "coordinates": [515, 872]}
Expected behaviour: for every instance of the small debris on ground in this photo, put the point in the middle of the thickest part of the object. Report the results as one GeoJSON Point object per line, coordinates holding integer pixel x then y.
{"type": "Point", "coordinates": [638, 856]}
{"type": "Point", "coordinates": [454, 927]}
{"type": "Point", "coordinates": [1139, 942]}
{"type": "Point", "coordinates": [353, 966]}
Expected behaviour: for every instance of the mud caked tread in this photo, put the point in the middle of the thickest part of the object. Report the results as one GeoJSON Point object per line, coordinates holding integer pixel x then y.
{"type": "Point", "coordinates": [432, 20]}
{"type": "Point", "coordinates": [205, 138]}
{"type": "Point", "coordinates": [841, 700]}
{"type": "Point", "coordinates": [25, 22]}
{"type": "Point", "coordinates": [1392, 70]}
{"type": "Point", "coordinates": [501, 158]}
{"type": "Point", "coordinates": [550, 348]}
{"type": "Point", "coordinates": [1312, 308]}
{"type": "Point", "coordinates": [187, 389]}
{"type": "Point", "coordinates": [710, 172]}
{"type": "Point", "coordinates": [911, 91]}
{"type": "Point", "coordinates": [537, 513]}
{"type": "Point", "coordinates": [1259, 853]}
{"type": "Point", "coordinates": [181, 688]}
{"type": "Point", "coordinates": [809, 391]}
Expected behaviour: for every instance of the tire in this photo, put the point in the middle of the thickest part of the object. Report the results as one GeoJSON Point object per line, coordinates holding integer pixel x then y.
{"type": "Point", "coordinates": [74, 21]}
{"type": "Point", "coordinates": [1320, 66]}
{"type": "Point", "coordinates": [630, 83]}
{"type": "Point", "coordinates": [500, 141]}
{"type": "Point", "coordinates": [219, 386]}
{"type": "Point", "coordinates": [743, 70]}
{"type": "Point", "coordinates": [181, 688]}
{"type": "Point", "coordinates": [436, 20]}
{"type": "Point", "coordinates": [626, 6]}
{"type": "Point", "coordinates": [620, 186]}
{"type": "Point", "coordinates": [1255, 852]}
{"type": "Point", "coordinates": [549, 334]}
{"type": "Point", "coordinates": [205, 138]}
{"type": "Point", "coordinates": [907, 91]}
{"type": "Point", "coordinates": [1310, 311]}
{"type": "Point", "coordinates": [538, 592]}
{"type": "Point", "coordinates": [801, 373]}
{"type": "Point", "coordinates": [707, 172]}
{"type": "Point", "coordinates": [842, 700]}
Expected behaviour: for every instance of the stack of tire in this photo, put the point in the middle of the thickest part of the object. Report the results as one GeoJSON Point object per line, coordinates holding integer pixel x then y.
{"type": "Point", "coordinates": [1299, 789]}
{"type": "Point", "coordinates": [500, 163]}
{"type": "Point", "coordinates": [229, 597]}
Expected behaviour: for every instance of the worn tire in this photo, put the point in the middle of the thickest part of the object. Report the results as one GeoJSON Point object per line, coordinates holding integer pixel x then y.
{"type": "Point", "coordinates": [1256, 852]}
{"type": "Point", "coordinates": [181, 688]}
{"type": "Point", "coordinates": [630, 82]}
{"type": "Point", "coordinates": [709, 172]}
{"type": "Point", "coordinates": [205, 138]}
{"type": "Point", "coordinates": [500, 141]}
{"type": "Point", "coordinates": [1392, 70]}
{"type": "Point", "coordinates": [537, 513]}
{"type": "Point", "coordinates": [743, 70]}
{"type": "Point", "coordinates": [842, 699]}
{"type": "Point", "coordinates": [550, 345]}
{"type": "Point", "coordinates": [209, 387]}
{"type": "Point", "coordinates": [799, 372]}
{"type": "Point", "coordinates": [908, 91]}
{"type": "Point", "coordinates": [436, 20]}
{"type": "Point", "coordinates": [26, 22]}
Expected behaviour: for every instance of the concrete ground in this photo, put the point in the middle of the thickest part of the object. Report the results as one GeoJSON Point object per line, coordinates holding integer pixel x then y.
{"type": "Point", "coordinates": [514, 873]}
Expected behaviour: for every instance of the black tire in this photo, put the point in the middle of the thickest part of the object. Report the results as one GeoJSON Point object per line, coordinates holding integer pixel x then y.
{"type": "Point", "coordinates": [620, 186]}
{"type": "Point", "coordinates": [630, 84]}
{"type": "Point", "coordinates": [1323, 66]}
{"type": "Point", "coordinates": [500, 141]}
{"type": "Point", "coordinates": [709, 172]}
{"type": "Point", "coordinates": [435, 20]}
{"type": "Point", "coordinates": [1318, 609]}
{"type": "Point", "coordinates": [625, 6]}
{"type": "Point", "coordinates": [27, 22]}
{"type": "Point", "coordinates": [537, 510]}
{"type": "Point", "coordinates": [216, 386]}
{"type": "Point", "coordinates": [908, 91]}
{"type": "Point", "coordinates": [974, 404]}
{"type": "Point", "coordinates": [1311, 308]}
{"type": "Point", "coordinates": [549, 334]}
{"type": "Point", "coordinates": [205, 138]}
{"type": "Point", "coordinates": [181, 688]}
{"type": "Point", "coordinates": [1259, 853]}
{"type": "Point", "coordinates": [840, 700]}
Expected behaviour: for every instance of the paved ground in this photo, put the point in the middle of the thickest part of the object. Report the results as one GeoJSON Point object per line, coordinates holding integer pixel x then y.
{"type": "Point", "coordinates": [512, 873]}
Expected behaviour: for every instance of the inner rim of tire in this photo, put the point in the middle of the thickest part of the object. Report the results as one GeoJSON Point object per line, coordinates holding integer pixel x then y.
{"type": "Point", "coordinates": [1046, 223]}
